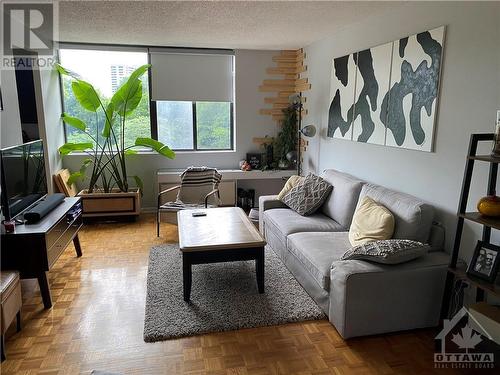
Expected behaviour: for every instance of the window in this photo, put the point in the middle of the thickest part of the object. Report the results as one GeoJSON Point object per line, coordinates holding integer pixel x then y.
{"type": "Point", "coordinates": [105, 70]}
{"type": "Point", "coordinates": [190, 93]}
{"type": "Point", "coordinates": [195, 125]}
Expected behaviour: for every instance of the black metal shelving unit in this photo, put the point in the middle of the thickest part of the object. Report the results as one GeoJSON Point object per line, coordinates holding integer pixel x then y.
{"type": "Point", "coordinates": [488, 223]}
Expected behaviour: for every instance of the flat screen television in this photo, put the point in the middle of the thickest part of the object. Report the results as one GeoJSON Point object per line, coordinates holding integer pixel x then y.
{"type": "Point", "coordinates": [23, 178]}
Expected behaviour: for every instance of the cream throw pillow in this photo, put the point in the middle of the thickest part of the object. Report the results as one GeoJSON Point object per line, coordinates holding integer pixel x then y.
{"type": "Point", "coordinates": [371, 222]}
{"type": "Point", "coordinates": [290, 183]}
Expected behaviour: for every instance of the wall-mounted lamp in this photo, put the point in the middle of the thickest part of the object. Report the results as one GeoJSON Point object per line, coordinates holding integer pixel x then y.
{"type": "Point", "coordinates": [308, 131]}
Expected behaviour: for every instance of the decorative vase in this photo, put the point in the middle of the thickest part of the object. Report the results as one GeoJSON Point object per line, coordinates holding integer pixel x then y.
{"type": "Point", "coordinates": [489, 206]}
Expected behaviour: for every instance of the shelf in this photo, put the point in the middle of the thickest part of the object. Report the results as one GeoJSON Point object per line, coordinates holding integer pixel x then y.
{"type": "Point", "coordinates": [488, 158]}
{"type": "Point", "coordinates": [460, 273]}
{"type": "Point", "coordinates": [478, 218]}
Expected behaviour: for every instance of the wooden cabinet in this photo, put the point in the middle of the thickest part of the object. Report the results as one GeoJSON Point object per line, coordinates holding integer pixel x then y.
{"type": "Point", "coordinates": [33, 249]}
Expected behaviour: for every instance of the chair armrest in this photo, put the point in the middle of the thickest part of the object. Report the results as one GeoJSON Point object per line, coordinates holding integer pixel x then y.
{"type": "Point", "coordinates": [267, 202]}
{"type": "Point", "coordinates": [164, 192]}
{"type": "Point", "coordinates": [215, 191]}
{"type": "Point", "coordinates": [169, 190]}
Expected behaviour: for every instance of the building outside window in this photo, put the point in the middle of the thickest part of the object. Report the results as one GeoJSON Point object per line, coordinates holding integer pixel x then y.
{"type": "Point", "coordinates": [192, 107]}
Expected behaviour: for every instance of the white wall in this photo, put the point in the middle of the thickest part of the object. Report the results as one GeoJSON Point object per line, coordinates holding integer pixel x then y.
{"type": "Point", "coordinates": [49, 109]}
{"type": "Point", "coordinates": [10, 120]}
{"type": "Point", "coordinates": [250, 71]}
{"type": "Point", "coordinates": [470, 95]}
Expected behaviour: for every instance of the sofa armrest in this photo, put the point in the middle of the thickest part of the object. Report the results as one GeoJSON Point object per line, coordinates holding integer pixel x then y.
{"type": "Point", "coordinates": [268, 202]}
{"type": "Point", "coordinates": [368, 298]}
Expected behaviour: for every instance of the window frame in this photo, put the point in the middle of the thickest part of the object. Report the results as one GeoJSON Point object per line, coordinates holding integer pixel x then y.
{"type": "Point", "coordinates": [195, 129]}
{"type": "Point", "coordinates": [153, 111]}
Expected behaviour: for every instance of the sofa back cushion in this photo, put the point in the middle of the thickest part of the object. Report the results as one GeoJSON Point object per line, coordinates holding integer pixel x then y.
{"type": "Point", "coordinates": [412, 217]}
{"type": "Point", "coordinates": [341, 203]}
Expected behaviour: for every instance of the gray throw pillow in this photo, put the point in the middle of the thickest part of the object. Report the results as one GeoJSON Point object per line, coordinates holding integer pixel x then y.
{"type": "Point", "coordinates": [306, 197]}
{"type": "Point", "coordinates": [387, 251]}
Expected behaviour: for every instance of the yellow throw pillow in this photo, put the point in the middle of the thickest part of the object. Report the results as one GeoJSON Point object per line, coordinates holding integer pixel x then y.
{"type": "Point", "coordinates": [290, 183]}
{"type": "Point", "coordinates": [371, 222]}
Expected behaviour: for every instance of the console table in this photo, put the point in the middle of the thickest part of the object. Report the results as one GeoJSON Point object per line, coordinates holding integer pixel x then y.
{"type": "Point", "coordinates": [231, 180]}
{"type": "Point", "coordinates": [33, 249]}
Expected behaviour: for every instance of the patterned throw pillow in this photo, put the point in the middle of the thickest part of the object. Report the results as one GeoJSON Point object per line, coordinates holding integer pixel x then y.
{"type": "Point", "coordinates": [306, 197]}
{"type": "Point", "coordinates": [290, 183]}
{"type": "Point", "coordinates": [387, 251]}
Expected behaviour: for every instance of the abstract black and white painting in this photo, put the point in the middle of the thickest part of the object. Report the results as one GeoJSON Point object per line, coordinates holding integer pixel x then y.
{"type": "Point", "coordinates": [342, 85]}
{"type": "Point", "coordinates": [388, 94]}
{"type": "Point", "coordinates": [411, 102]}
{"type": "Point", "coordinates": [372, 84]}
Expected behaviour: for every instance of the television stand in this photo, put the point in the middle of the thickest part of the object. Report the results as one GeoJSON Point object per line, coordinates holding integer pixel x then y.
{"type": "Point", "coordinates": [34, 248]}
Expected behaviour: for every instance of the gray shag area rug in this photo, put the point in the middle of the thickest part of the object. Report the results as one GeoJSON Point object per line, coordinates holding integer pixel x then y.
{"type": "Point", "coordinates": [224, 297]}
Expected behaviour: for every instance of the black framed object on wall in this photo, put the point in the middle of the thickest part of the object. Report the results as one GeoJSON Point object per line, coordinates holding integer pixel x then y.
{"type": "Point", "coordinates": [485, 262]}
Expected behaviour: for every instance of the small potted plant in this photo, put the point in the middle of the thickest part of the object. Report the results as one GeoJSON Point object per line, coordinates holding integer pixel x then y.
{"type": "Point", "coordinates": [108, 192]}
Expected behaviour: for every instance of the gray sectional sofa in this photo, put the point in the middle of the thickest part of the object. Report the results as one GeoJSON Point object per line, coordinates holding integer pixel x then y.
{"type": "Point", "coordinates": [359, 297]}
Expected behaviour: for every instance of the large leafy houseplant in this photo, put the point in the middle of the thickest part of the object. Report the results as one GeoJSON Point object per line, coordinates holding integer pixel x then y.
{"type": "Point", "coordinates": [286, 140]}
{"type": "Point", "coordinates": [107, 152]}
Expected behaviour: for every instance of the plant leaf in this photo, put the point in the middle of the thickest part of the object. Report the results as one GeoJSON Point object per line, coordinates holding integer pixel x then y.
{"type": "Point", "coordinates": [85, 164]}
{"type": "Point", "coordinates": [69, 147]}
{"type": "Point", "coordinates": [108, 121]}
{"type": "Point", "coordinates": [127, 97]}
{"type": "Point", "coordinates": [66, 72]}
{"type": "Point", "coordinates": [86, 95]}
{"type": "Point", "coordinates": [75, 177]}
{"type": "Point", "coordinates": [139, 183]}
{"type": "Point", "coordinates": [74, 122]}
{"type": "Point", "coordinates": [130, 152]}
{"type": "Point", "coordinates": [156, 146]}
{"type": "Point", "coordinates": [136, 74]}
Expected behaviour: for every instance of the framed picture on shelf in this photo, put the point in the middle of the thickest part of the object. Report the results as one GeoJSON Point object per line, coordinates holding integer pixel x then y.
{"type": "Point", "coordinates": [255, 160]}
{"type": "Point", "coordinates": [485, 261]}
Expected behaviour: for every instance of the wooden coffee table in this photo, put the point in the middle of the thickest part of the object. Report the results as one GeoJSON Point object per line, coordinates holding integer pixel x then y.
{"type": "Point", "coordinates": [225, 234]}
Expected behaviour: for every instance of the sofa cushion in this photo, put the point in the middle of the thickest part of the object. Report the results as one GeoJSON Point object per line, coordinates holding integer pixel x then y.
{"type": "Point", "coordinates": [412, 217]}
{"type": "Point", "coordinates": [284, 221]}
{"type": "Point", "coordinates": [289, 184]}
{"type": "Point", "coordinates": [308, 195]}
{"type": "Point", "coordinates": [341, 203]}
{"type": "Point", "coordinates": [371, 222]}
{"type": "Point", "coordinates": [317, 251]}
{"type": "Point", "coordinates": [387, 251]}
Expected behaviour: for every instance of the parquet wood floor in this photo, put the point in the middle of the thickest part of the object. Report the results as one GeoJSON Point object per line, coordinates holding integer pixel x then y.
{"type": "Point", "coordinates": [98, 315]}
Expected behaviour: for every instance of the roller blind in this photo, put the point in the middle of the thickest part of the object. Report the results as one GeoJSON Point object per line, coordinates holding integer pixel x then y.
{"type": "Point", "coordinates": [191, 77]}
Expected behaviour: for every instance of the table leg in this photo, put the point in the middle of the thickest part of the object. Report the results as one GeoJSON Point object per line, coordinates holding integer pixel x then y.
{"type": "Point", "coordinates": [186, 276]}
{"type": "Point", "coordinates": [78, 248]}
{"type": "Point", "coordinates": [259, 268]}
{"type": "Point", "coordinates": [44, 290]}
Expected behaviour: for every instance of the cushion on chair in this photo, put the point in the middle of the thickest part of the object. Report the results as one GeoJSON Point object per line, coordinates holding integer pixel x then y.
{"type": "Point", "coordinates": [290, 183]}
{"type": "Point", "coordinates": [284, 221]}
{"type": "Point", "coordinates": [412, 217]}
{"type": "Point", "coordinates": [341, 203]}
{"type": "Point", "coordinates": [317, 252]}
{"type": "Point", "coordinates": [387, 251]}
{"type": "Point", "coordinates": [10, 297]}
{"type": "Point", "coordinates": [196, 183]}
{"type": "Point", "coordinates": [371, 222]}
{"type": "Point", "coordinates": [307, 196]}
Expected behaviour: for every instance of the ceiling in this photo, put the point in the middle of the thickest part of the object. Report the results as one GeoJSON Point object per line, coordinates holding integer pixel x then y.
{"type": "Point", "coordinates": [216, 24]}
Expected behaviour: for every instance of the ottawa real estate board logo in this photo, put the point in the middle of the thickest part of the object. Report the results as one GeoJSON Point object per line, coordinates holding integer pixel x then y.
{"type": "Point", "coordinates": [464, 343]}
{"type": "Point", "coordinates": [29, 30]}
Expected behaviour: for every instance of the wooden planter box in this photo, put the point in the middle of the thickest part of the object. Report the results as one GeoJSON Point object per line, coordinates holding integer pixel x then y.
{"type": "Point", "coordinates": [117, 203]}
